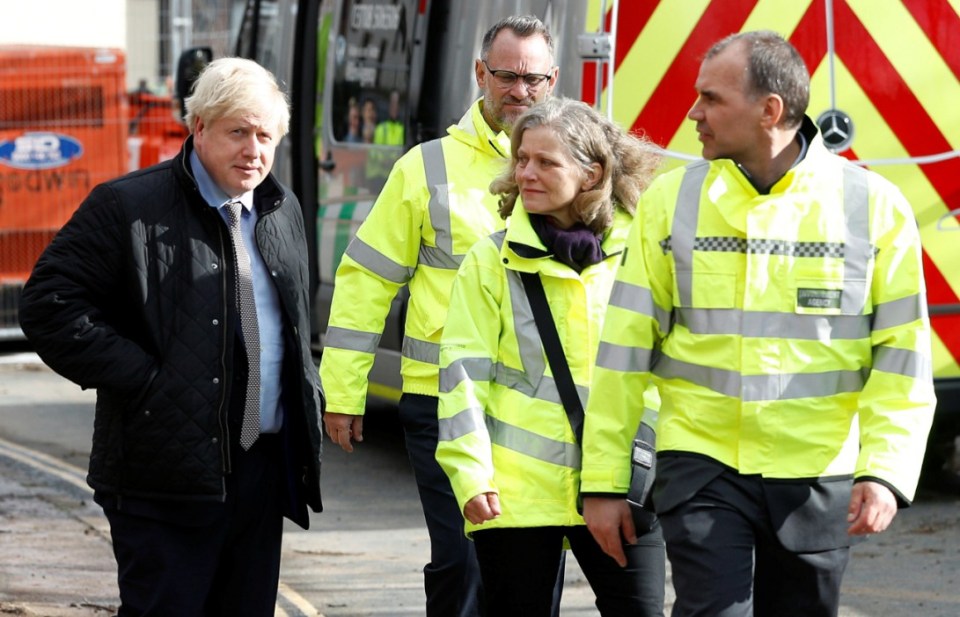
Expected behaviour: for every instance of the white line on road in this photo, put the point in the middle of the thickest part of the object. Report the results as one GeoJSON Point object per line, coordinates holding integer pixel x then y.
{"type": "Point", "coordinates": [302, 608]}
{"type": "Point", "coordinates": [20, 358]}
{"type": "Point", "coordinates": [290, 603]}
{"type": "Point", "coordinates": [45, 463]}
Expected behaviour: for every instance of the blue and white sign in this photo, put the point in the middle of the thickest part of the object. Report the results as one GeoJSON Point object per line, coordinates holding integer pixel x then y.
{"type": "Point", "coordinates": [40, 151]}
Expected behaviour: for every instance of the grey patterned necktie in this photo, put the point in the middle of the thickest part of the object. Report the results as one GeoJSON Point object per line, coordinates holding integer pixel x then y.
{"type": "Point", "coordinates": [250, 429]}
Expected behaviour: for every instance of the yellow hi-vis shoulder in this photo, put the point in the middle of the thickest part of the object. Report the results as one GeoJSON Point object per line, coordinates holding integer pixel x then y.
{"type": "Point", "coordinates": [434, 206]}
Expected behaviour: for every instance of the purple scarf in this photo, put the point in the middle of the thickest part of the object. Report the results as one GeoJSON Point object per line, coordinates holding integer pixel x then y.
{"type": "Point", "coordinates": [577, 247]}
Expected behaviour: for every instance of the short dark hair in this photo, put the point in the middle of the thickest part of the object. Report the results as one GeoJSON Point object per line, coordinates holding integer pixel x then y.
{"type": "Point", "coordinates": [523, 26]}
{"type": "Point", "coordinates": [774, 66]}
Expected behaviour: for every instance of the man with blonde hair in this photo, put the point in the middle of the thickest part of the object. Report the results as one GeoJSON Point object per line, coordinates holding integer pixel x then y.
{"type": "Point", "coordinates": [179, 292]}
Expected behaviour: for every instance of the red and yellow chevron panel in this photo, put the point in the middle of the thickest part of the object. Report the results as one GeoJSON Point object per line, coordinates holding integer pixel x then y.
{"type": "Point", "coordinates": [892, 67]}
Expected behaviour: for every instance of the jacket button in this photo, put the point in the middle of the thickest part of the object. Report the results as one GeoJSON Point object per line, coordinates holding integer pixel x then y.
{"type": "Point", "coordinates": [214, 266]}
{"type": "Point", "coordinates": [216, 322]}
{"type": "Point", "coordinates": [216, 380]}
{"type": "Point", "coordinates": [273, 273]}
{"type": "Point", "coordinates": [215, 440]}
{"type": "Point", "coordinates": [505, 260]}
{"type": "Point", "coordinates": [146, 412]}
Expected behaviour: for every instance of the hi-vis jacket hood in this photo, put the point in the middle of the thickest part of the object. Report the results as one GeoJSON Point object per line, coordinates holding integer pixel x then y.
{"type": "Point", "coordinates": [502, 426]}
{"type": "Point", "coordinates": [435, 205]}
{"type": "Point", "coordinates": [787, 332]}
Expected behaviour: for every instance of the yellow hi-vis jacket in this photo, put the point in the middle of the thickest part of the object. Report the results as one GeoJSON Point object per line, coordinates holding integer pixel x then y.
{"type": "Point", "coordinates": [434, 206]}
{"type": "Point", "coordinates": [787, 333]}
{"type": "Point", "coordinates": [503, 428]}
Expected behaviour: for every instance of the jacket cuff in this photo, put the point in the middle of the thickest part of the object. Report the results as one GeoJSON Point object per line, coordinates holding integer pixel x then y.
{"type": "Point", "coordinates": [902, 502]}
{"type": "Point", "coordinates": [611, 481]}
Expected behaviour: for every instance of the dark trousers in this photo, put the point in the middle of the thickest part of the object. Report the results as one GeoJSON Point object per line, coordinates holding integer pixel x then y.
{"type": "Point", "coordinates": [452, 578]}
{"type": "Point", "coordinates": [728, 562]}
{"type": "Point", "coordinates": [520, 565]}
{"type": "Point", "coordinates": [211, 559]}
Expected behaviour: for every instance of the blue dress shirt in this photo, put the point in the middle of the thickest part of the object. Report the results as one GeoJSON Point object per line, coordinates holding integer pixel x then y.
{"type": "Point", "coordinates": [265, 296]}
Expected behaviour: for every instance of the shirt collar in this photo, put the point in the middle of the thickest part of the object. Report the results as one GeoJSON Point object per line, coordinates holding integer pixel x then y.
{"type": "Point", "coordinates": [211, 193]}
{"type": "Point", "coordinates": [804, 143]}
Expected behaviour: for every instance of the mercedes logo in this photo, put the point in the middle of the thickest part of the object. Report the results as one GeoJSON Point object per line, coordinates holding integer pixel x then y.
{"type": "Point", "coordinates": [836, 128]}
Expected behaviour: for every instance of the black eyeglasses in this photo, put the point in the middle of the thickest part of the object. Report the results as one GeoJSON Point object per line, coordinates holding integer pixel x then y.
{"type": "Point", "coordinates": [506, 79]}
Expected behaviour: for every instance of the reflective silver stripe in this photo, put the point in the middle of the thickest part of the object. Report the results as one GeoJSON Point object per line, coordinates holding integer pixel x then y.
{"type": "Point", "coordinates": [378, 263]}
{"type": "Point", "coordinates": [529, 344]}
{"type": "Point", "coordinates": [774, 325]}
{"type": "Point", "coordinates": [639, 300]}
{"type": "Point", "coordinates": [545, 389]}
{"type": "Point", "coordinates": [532, 380]}
{"type": "Point", "coordinates": [650, 417]}
{"type": "Point", "coordinates": [899, 312]}
{"type": "Point", "coordinates": [435, 169]}
{"type": "Point", "coordinates": [421, 351]}
{"type": "Point", "coordinates": [438, 258]}
{"type": "Point", "coordinates": [857, 252]}
{"type": "Point", "coordinates": [622, 358]}
{"type": "Point", "coordinates": [904, 362]}
{"type": "Point", "coordinates": [533, 445]}
{"type": "Point", "coordinates": [474, 369]}
{"type": "Point", "coordinates": [511, 437]}
{"type": "Point", "coordinates": [498, 238]}
{"type": "Point", "coordinates": [463, 423]}
{"type": "Point", "coordinates": [718, 380]}
{"type": "Point", "coordinates": [753, 388]}
{"type": "Point", "coordinates": [802, 385]}
{"type": "Point", "coordinates": [683, 231]}
{"type": "Point", "coordinates": [354, 340]}
{"type": "Point", "coordinates": [632, 298]}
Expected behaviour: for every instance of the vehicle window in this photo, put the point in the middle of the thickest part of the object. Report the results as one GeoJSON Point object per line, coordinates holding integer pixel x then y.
{"type": "Point", "coordinates": [264, 16]}
{"type": "Point", "coordinates": [371, 74]}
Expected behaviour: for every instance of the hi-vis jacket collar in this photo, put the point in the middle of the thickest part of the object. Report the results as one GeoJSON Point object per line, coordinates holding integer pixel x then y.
{"type": "Point", "coordinates": [474, 131]}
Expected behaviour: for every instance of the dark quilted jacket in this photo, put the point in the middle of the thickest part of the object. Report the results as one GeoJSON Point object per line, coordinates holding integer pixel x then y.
{"type": "Point", "coordinates": [131, 297]}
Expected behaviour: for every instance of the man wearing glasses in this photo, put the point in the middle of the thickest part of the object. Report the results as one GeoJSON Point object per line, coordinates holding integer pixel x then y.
{"type": "Point", "coordinates": [434, 206]}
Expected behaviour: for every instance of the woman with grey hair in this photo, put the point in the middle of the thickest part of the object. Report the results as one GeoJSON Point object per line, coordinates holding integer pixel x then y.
{"type": "Point", "coordinates": [506, 442]}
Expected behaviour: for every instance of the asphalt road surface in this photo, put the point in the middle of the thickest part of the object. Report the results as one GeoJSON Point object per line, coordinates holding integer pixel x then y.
{"type": "Point", "coordinates": [364, 554]}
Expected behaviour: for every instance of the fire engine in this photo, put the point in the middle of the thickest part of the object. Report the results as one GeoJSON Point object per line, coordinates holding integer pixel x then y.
{"type": "Point", "coordinates": [885, 79]}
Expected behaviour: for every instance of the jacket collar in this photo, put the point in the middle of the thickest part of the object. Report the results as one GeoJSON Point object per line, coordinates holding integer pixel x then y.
{"type": "Point", "coordinates": [266, 197]}
{"type": "Point", "coordinates": [815, 152]}
{"type": "Point", "coordinates": [474, 131]}
{"type": "Point", "coordinates": [211, 192]}
{"type": "Point", "coordinates": [524, 251]}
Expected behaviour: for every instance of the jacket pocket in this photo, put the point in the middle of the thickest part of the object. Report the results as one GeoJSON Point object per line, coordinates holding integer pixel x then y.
{"type": "Point", "coordinates": [712, 290]}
